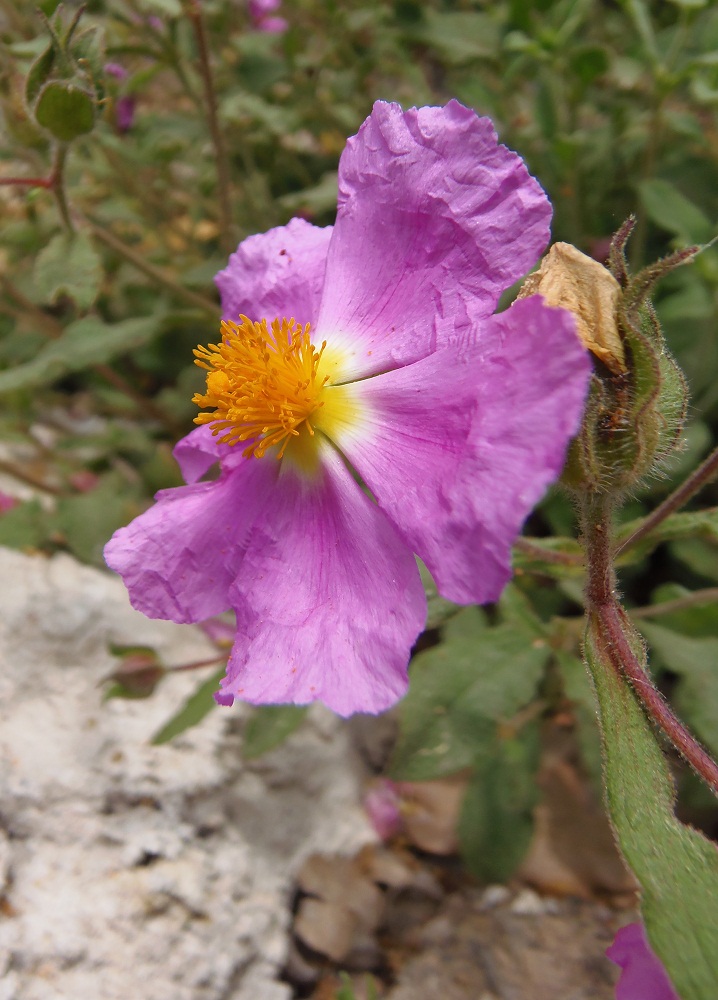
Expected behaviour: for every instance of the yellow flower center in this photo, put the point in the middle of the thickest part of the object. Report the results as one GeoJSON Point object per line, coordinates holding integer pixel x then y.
{"type": "Point", "coordinates": [263, 384]}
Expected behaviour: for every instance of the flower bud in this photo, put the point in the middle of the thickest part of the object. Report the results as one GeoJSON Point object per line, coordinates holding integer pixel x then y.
{"type": "Point", "coordinates": [637, 401]}
{"type": "Point", "coordinates": [64, 89]}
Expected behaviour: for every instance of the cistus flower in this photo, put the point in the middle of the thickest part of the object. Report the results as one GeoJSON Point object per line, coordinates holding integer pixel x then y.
{"type": "Point", "coordinates": [364, 405]}
{"type": "Point", "coordinates": [642, 974]}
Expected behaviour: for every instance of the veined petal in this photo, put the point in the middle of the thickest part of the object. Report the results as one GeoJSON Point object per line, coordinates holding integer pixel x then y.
{"type": "Point", "coordinates": [435, 220]}
{"type": "Point", "coordinates": [179, 559]}
{"type": "Point", "coordinates": [329, 601]}
{"type": "Point", "coordinates": [279, 273]}
{"type": "Point", "coordinates": [458, 448]}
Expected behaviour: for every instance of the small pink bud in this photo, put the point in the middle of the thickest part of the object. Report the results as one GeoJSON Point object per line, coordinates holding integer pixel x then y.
{"type": "Point", "coordinates": [382, 805]}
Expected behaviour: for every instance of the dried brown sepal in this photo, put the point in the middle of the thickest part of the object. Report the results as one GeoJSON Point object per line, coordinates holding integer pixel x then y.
{"type": "Point", "coordinates": [570, 280]}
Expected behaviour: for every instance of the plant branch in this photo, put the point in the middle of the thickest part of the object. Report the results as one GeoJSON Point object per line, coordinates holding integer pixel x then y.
{"type": "Point", "coordinates": [58, 185]}
{"type": "Point", "coordinates": [533, 549]}
{"type": "Point", "coordinates": [706, 471]}
{"type": "Point", "coordinates": [54, 182]}
{"type": "Point", "coordinates": [157, 274]}
{"type": "Point", "coordinates": [220, 152]}
{"type": "Point", "coordinates": [705, 596]}
{"type": "Point", "coordinates": [613, 622]}
{"type": "Point", "coordinates": [611, 618]}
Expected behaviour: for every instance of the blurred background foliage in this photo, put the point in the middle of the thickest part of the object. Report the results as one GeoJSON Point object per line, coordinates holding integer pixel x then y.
{"type": "Point", "coordinates": [104, 294]}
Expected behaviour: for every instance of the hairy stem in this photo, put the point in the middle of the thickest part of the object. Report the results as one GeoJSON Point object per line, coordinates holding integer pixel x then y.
{"type": "Point", "coordinates": [706, 471]}
{"type": "Point", "coordinates": [614, 626]}
{"type": "Point", "coordinates": [58, 186]}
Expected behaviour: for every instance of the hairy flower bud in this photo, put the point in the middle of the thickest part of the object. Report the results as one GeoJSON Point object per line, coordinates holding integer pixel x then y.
{"type": "Point", "coordinates": [64, 87]}
{"type": "Point", "coordinates": [637, 402]}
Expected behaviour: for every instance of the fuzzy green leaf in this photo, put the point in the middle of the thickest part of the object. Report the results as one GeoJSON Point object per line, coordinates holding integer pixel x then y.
{"type": "Point", "coordinates": [69, 265]}
{"type": "Point", "coordinates": [461, 689]}
{"type": "Point", "coordinates": [496, 821]}
{"type": "Point", "coordinates": [268, 726]}
{"type": "Point", "coordinates": [87, 342]}
{"type": "Point", "coordinates": [676, 866]}
{"type": "Point", "coordinates": [671, 210]}
{"type": "Point", "coordinates": [193, 711]}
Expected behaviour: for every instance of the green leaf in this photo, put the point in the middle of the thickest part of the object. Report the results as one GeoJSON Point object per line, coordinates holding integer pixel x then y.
{"type": "Point", "coordinates": [193, 711]}
{"type": "Point", "coordinates": [69, 265]}
{"type": "Point", "coordinates": [24, 526]}
{"type": "Point", "coordinates": [496, 821]}
{"type": "Point", "coordinates": [671, 210]}
{"type": "Point", "coordinates": [696, 662]}
{"type": "Point", "coordinates": [438, 609]}
{"type": "Point", "coordinates": [86, 342]}
{"type": "Point", "coordinates": [86, 520]}
{"type": "Point", "coordinates": [168, 8]}
{"type": "Point", "coordinates": [268, 726]}
{"type": "Point", "coordinates": [66, 110]}
{"type": "Point", "coordinates": [459, 36]}
{"type": "Point", "coordinates": [578, 689]}
{"type": "Point", "coordinates": [676, 866]}
{"type": "Point", "coordinates": [39, 73]}
{"type": "Point", "coordinates": [461, 689]}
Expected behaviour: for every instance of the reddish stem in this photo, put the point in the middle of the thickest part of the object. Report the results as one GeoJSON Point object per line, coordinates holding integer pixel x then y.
{"type": "Point", "coordinates": [42, 182]}
{"type": "Point", "coordinates": [612, 620]}
{"type": "Point", "coordinates": [601, 601]}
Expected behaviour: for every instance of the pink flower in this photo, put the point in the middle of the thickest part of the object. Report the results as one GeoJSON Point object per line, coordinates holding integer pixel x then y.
{"type": "Point", "coordinates": [261, 13]}
{"type": "Point", "coordinates": [7, 502]}
{"type": "Point", "coordinates": [383, 807]}
{"type": "Point", "coordinates": [454, 419]}
{"type": "Point", "coordinates": [642, 974]}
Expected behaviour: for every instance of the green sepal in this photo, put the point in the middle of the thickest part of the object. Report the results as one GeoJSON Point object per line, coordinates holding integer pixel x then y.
{"type": "Point", "coordinates": [65, 109]}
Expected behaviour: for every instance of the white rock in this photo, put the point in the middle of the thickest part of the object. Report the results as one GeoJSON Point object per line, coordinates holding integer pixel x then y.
{"type": "Point", "coordinates": [133, 870]}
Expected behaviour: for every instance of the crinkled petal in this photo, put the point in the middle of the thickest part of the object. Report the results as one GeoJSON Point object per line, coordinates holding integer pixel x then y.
{"type": "Point", "coordinates": [329, 601]}
{"type": "Point", "coordinates": [179, 559]}
{"type": "Point", "coordinates": [642, 974]}
{"type": "Point", "coordinates": [435, 220]}
{"type": "Point", "coordinates": [458, 448]}
{"type": "Point", "coordinates": [200, 449]}
{"type": "Point", "coordinates": [279, 273]}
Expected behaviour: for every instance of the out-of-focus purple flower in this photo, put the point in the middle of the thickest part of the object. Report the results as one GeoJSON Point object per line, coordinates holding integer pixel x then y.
{"type": "Point", "coordinates": [454, 418]}
{"type": "Point", "coordinates": [261, 10]}
{"type": "Point", "coordinates": [273, 25]}
{"type": "Point", "coordinates": [642, 974]}
{"type": "Point", "coordinates": [114, 69]}
{"type": "Point", "coordinates": [7, 502]}
{"type": "Point", "coordinates": [383, 807]}
{"type": "Point", "coordinates": [125, 112]}
{"type": "Point", "coordinates": [124, 105]}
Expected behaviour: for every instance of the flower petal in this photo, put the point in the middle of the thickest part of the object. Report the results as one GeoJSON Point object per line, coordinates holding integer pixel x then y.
{"type": "Point", "coordinates": [276, 274]}
{"type": "Point", "coordinates": [200, 449]}
{"type": "Point", "coordinates": [329, 601]}
{"type": "Point", "coordinates": [458, 448]}
{"type": "Point", "coordinates": [435, 220]}
{"type": "Point", "coordinates": [642, 974]}
{"type": "Point", "coordinates": [180, 557]}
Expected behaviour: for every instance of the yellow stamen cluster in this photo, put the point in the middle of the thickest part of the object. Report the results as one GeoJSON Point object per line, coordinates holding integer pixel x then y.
{"type": "Point", "coordinates": [262, 384]}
